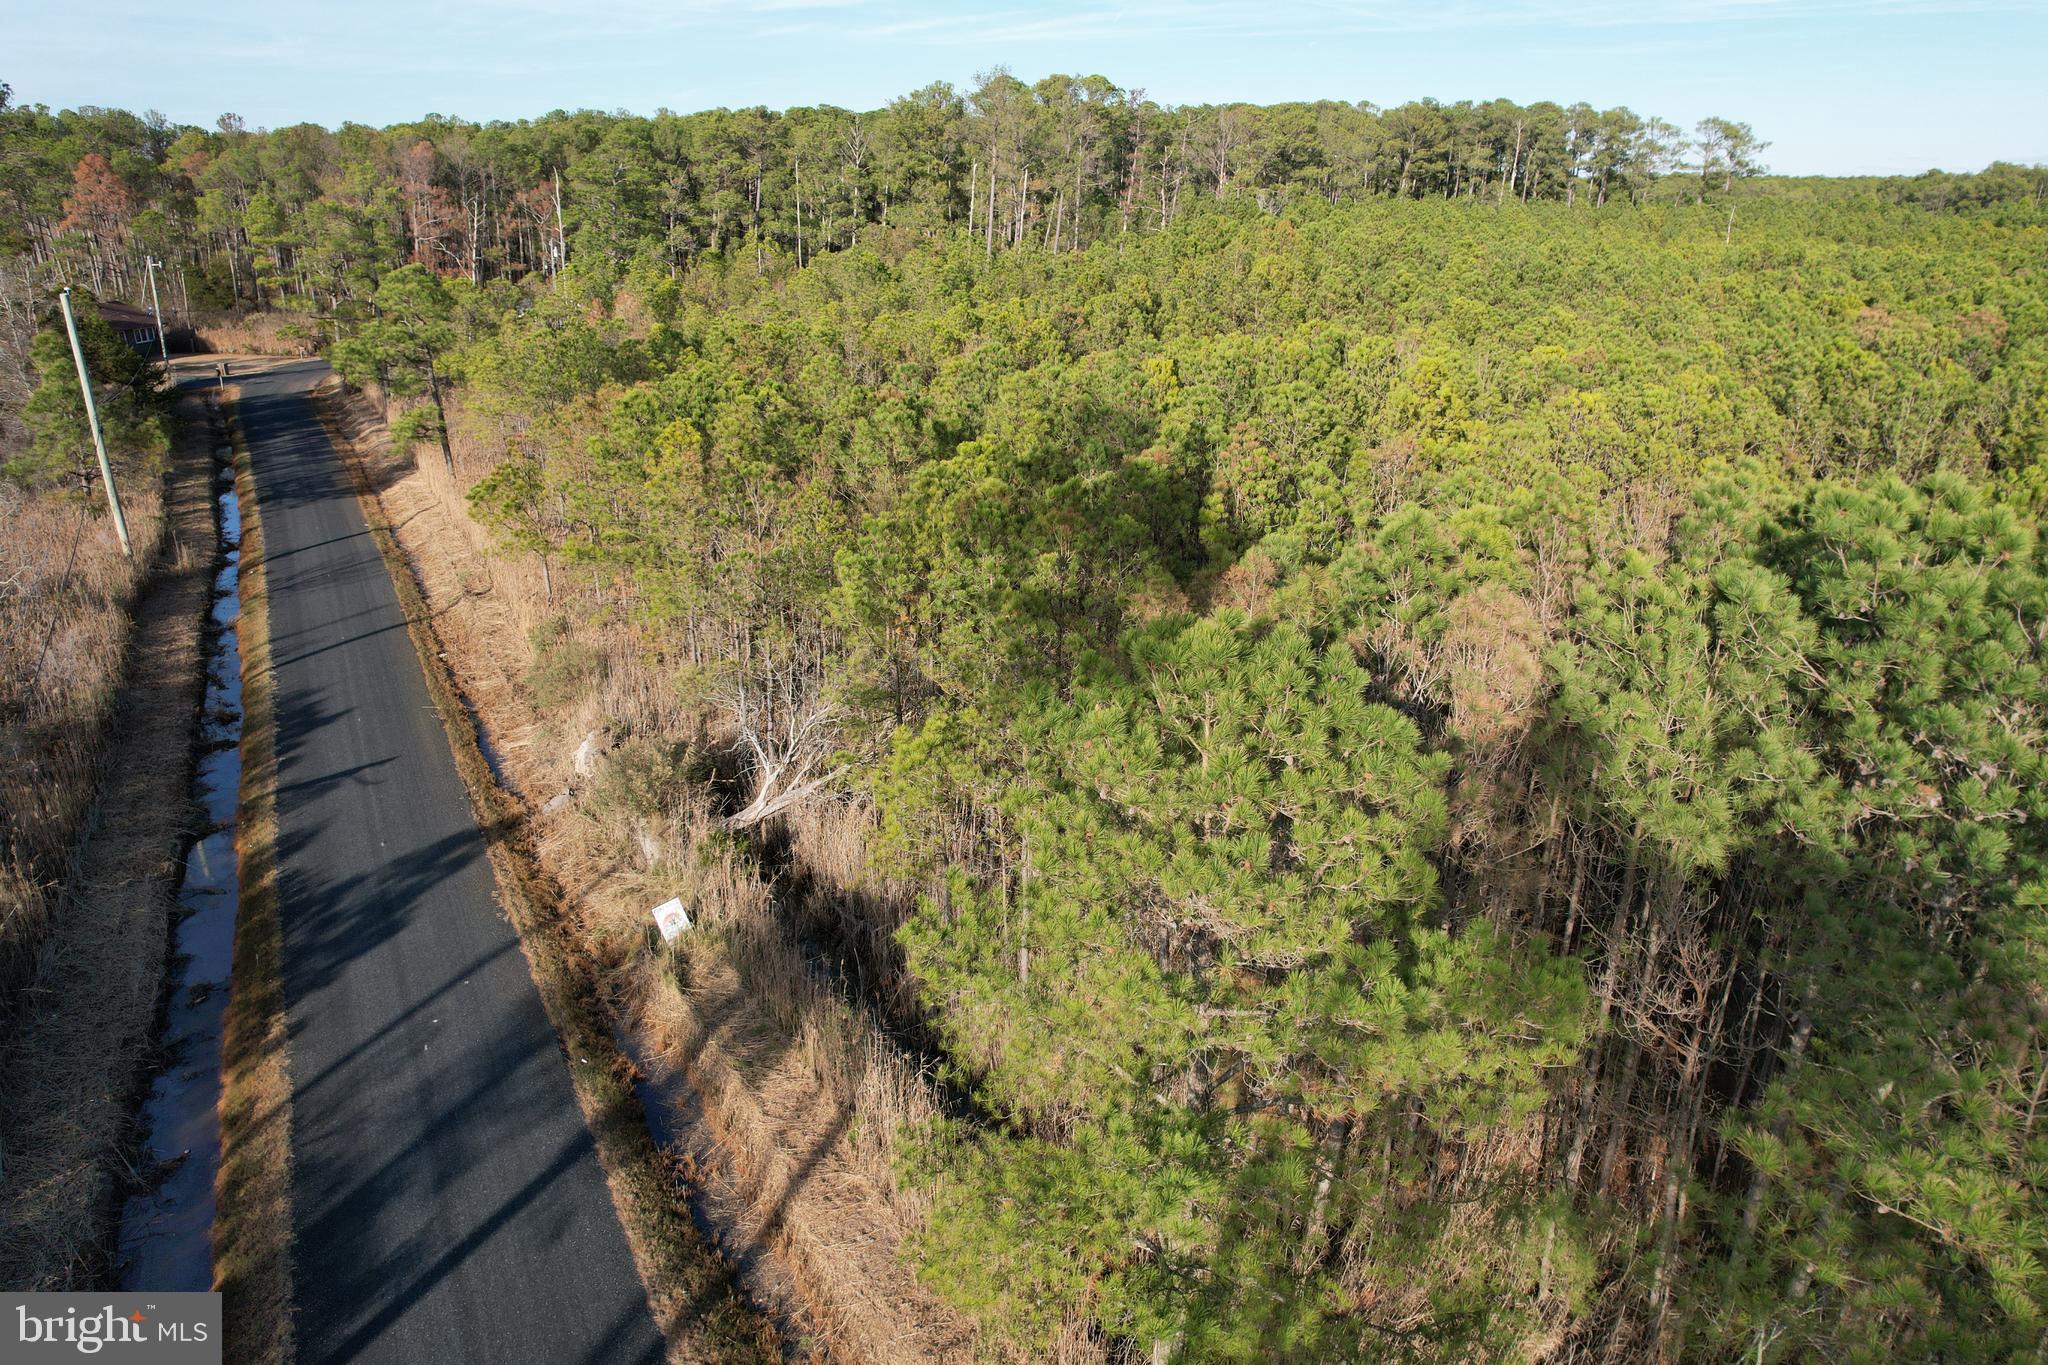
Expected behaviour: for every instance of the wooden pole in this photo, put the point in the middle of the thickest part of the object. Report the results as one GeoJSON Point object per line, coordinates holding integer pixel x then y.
{"type": "Point", "coordinates": [92, 417]}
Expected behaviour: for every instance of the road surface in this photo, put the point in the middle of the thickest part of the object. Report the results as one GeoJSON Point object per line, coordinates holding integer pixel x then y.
{"type": "Point", "coordinates": [447, 1201]}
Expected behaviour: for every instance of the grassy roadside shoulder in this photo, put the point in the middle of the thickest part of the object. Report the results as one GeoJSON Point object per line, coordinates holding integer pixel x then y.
{"type": "Point", "coordinates": [75, 1064]}
{"type": "Point", "coordinates": [252, 1246]}
{"type": "Point", "coordinates": [689, 1283]}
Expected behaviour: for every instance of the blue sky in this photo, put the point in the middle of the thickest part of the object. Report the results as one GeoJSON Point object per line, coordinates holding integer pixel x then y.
{"type": "Point", "coordinates": [1841, 86]}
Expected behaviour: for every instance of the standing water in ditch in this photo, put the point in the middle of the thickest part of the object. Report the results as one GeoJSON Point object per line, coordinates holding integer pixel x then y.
{"type": "Point", "coordinates": [167, 1228]}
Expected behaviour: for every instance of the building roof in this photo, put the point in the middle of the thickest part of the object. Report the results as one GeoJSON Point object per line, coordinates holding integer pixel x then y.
{"type": "Point", "coordinates": [120, 315]}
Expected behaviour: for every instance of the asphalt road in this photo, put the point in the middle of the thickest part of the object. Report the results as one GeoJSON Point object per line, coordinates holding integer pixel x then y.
{"type": "Point", "coordinates": [448, 1204]}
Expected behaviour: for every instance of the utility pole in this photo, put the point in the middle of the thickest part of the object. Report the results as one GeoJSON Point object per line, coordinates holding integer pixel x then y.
{"type": "Point", "coordinates": [92, 416]}
{"type": "Point", "coordinates": [561, 252]}
{"type": "Point", "coordinates": [162, 344]}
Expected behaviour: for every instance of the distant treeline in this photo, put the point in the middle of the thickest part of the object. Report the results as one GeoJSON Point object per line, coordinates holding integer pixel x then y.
{"type": "Point", "coordinates": [316, 216]}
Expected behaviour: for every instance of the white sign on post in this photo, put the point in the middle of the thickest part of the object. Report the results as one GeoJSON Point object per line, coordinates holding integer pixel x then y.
{"type": "Point", "coordinates": [672, 919]}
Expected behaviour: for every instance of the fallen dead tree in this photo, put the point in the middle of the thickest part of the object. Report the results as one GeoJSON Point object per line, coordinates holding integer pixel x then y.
{"type": "Point", "coordinates": [784, 727]}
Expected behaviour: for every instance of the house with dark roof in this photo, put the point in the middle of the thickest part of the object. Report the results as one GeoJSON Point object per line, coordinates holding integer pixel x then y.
{"type": "Point", "coordinates": [137, 327]}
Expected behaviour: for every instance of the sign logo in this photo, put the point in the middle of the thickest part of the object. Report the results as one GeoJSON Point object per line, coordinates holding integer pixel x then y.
{"type": "Point", "coordinates": [672, 919]}
{"type": "Point", "coordinates": [167, 1329]}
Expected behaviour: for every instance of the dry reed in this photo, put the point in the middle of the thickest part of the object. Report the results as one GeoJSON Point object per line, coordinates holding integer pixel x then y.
{"type": "Point", "coordinates": [256, 334]}
{"type": "Point", "coordinates": [66, 593]}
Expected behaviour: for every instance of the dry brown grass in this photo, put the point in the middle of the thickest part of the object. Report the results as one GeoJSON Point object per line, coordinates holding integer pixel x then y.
{"type": "Point", "coordinates": [66, 592]}
{"type": "Point", "coordinates": [806, 1095]}
{"type": "Point", "coordinates": [256, 334]}
{"type": "Point", "coordinates": [803, 1097]}
{"type": "Point", "coordinates": [72, 1069]}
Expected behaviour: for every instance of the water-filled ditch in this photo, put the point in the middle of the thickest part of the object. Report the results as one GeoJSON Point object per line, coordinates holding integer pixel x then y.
{"type": "Point", "coordinates": [166, 1237]}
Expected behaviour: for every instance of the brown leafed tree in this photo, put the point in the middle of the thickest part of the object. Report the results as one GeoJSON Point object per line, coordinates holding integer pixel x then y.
{"type": "Point", "coordinates": [100, 208]}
